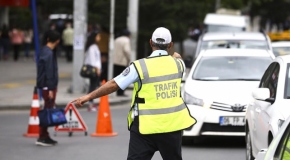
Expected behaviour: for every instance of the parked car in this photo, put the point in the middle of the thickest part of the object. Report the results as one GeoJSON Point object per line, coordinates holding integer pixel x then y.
{"type": "Point", "coordinates": [218, 88]}
{"type": "Point", "coordinates": [269, 107]}
{"type": "Point", "coordinates": [281, 48]}
{"type": "Point", "coordinates": [280, 146]}
{"type": "Point", "coordinates": [229, 40]}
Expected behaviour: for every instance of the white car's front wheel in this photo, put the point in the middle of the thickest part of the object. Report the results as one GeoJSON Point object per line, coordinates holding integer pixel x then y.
{"type": "Point", "coordinates": [249, 146]}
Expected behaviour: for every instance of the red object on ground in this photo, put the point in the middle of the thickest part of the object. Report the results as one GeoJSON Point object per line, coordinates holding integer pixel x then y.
{"type": "Point", "coordinates": [74, 121]}
{"type": "Point", "coordinates": [33, 123]}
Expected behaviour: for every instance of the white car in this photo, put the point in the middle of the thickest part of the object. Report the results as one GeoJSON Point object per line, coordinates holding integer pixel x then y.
{"type": "Point", "coordinates": [281, 48]}
{"type": "Point", "coordinates": [280, 146]}
{"type": "Point", "coordinates": [270, 106]}
{"type": "Point", "coordinates": [224, 22]}
{"type": "Point", "coordinates": [218, 89]}
{"type": "Point", "coordinates": [230, 40]}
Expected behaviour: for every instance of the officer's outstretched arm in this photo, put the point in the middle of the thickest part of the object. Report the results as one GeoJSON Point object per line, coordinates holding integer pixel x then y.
{"type": "Point", "coordinates": [109, 87]}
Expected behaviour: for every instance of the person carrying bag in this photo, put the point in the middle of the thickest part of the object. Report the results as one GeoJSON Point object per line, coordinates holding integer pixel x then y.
{"type": "Point", "coordinates": [91, 68]}
{"type": "Point", "coordinates": [47, 82]}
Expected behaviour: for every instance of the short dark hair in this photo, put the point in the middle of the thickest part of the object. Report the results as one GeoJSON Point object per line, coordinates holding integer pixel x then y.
{"type": "Point", "coordinates": [160, 46]}
{"type": "Point", "coordinates": [53, 36]}
{"type": "Point", "coordinates": [91, 39]}
{"type": "Point", "coordinates": [126, 32]}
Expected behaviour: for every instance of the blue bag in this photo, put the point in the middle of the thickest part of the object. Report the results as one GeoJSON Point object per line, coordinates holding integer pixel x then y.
{"type": "Point", "coordinates": [51, 117]}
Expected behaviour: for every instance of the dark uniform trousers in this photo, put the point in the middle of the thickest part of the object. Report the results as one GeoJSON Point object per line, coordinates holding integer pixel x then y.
{"type": "Point", "coordinates": [143, 147]}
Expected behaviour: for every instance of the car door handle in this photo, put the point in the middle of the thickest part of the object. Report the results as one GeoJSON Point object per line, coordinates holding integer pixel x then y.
{"type": "Point", "coordinates": [258, 110]}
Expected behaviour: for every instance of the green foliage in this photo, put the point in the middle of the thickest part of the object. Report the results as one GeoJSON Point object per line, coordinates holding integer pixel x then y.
{"type": "Point", "coordinates": [276, 11]}
{"type": "Point", "coordinates": [20, 17]}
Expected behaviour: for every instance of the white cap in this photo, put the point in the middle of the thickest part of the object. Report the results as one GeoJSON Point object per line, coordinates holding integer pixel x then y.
{"type": "Point", "coordinates": [161, 35]}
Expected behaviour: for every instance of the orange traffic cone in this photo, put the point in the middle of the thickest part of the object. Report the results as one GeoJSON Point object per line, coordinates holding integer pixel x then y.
{"type": "Point", "coordinates": [104, 123]}
{"type": "Point", "coordinates": [33, 123]}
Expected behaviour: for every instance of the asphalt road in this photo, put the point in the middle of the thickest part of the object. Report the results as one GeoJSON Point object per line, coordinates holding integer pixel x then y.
{"type": "Point", "coordinates": [13, 146]}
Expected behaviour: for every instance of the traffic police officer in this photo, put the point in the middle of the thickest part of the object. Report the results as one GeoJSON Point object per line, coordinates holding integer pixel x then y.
{"type": "Point", "coordinates": [158, 114]}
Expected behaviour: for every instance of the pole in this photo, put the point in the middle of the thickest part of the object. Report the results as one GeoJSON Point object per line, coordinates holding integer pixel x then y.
{"type": "Point", "coordinates": [80, 30]}
{"type": "Point", "coordinates": [4, 16]}
{"type": "Point", "coordinates": [35, 30]}
{"type": "Point", "coordinates": [111, 43]}
{"type": "Point", "coordinates": [217, 4]}
{"type": "Point", "coordinates": [36, 39]}
{"type": "Point", "coordinates": [132, 24]}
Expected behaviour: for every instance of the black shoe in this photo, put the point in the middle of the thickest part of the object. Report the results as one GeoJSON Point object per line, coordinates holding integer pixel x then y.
{"type": "Point", "coordinates": [52, 141]}
{"type": "Point", "coordinates": [44, 142]}
{"type": "Point", "coordinates": [122, 95]}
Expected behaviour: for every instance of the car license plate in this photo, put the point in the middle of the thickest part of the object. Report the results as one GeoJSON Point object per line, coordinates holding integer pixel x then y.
{"type": "Point", "coordinates": [232, 121]}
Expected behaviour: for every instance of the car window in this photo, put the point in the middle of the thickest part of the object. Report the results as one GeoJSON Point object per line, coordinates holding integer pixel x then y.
{"type": "Point", "coordinates": [231, 68]}
{"type": "Point", "coordinates": [280, 51]}
{"type": "Point", "coordinates": [249, 44]}
{"type": "Point", "coordinates": [283, 149]}
{"type": "Point", "coordinates": [266, 75]}
{"type": "Point", "coordinates": [273, 81]}
{"type": "Point", "coordinates": [287, 83]}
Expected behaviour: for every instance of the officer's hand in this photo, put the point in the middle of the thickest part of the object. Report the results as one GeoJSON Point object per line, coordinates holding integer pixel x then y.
{"type": "Point", "coordinates": [176, 55]}
{"type": "Point", "coordinates": [81, 100]}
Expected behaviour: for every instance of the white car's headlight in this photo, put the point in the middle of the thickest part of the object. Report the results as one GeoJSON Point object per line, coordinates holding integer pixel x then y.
{"type": "Point", "coordinates": [188, 99]}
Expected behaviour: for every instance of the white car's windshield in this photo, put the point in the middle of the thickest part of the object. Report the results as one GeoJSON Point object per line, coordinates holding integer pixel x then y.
{"type": "Point", "coordinates": [221, 28]}
{"type": "Point", "coordinates": [250, 44]}
{"type": "Point", "coordinates": [231, 68]}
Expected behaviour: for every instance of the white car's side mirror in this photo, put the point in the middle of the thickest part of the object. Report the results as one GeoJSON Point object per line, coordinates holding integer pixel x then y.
{"type": "Point", "coordinates": [261, 93]}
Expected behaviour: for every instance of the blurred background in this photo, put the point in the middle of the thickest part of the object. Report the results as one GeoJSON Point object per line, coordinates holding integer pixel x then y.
{"type": "Point", "coordinates": [179, 16]}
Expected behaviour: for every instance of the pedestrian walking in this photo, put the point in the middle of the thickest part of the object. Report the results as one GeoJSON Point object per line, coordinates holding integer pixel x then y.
{"type": "Point", "coordinates": [93, 58]}
{"type": "Point", "coordinates": [158, 114]}
{"type": "Point", "coordinates": [28, 35]}
{"type": "Point", "coordinates": [17, 37]}
{"type": "Point", "coordinates": [122, 55]}
{"type": "Point", "coordinates": [67, 37]}
{"type": "Point", "coordinates": [47, 81]}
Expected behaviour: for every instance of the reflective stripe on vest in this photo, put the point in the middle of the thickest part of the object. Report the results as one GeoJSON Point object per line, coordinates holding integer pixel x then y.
{"type": "Point", "coordinates": [160, 78]}
{"type": "Point", "coordinates": [163, 109]}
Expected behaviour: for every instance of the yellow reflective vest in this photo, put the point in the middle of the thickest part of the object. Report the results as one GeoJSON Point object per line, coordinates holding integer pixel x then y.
{"type": "Point", "coordinates": [160, 106]}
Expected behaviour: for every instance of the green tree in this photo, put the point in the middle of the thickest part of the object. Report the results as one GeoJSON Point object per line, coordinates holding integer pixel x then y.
{"type": "Point", "coordinates": [274, 11]}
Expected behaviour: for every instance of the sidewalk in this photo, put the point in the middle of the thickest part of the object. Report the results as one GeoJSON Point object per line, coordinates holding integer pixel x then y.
{"type": "Point", "coordinates": [17, 81]}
